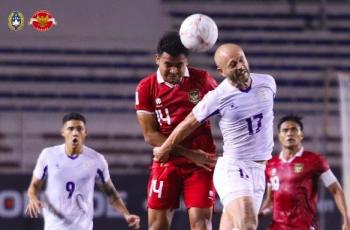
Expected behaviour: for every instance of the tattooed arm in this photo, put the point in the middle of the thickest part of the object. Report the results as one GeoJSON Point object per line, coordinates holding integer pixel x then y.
{"type": "Point", "coordinates": [116, 201]}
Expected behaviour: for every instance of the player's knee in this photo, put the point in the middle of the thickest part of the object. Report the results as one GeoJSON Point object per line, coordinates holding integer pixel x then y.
{"type": "Point", "coordinates": [159, 219]}
{"type": "Point", "coordinates": [200, 218]}
{"type": "Point", "coordinates": [158, 222]}
{"type": "Point", "coordinates": [158, 225]}
{"type": "Point", "coordinates": [249, 224]}
{"type": "Point", "coordinates": [204, 223]}
{"type": "Point", "coordinates": [246, 223]}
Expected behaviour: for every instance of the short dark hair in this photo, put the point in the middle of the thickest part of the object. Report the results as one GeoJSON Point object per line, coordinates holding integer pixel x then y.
{"type": "Point", "coordinates": [291, 117]}
{"type": "Point", "coordinates": [171, 44]}
{"type": "Point", "coordinates": [73, 116]}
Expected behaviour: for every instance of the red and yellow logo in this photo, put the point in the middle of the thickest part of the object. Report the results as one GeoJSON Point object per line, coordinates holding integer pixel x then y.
{"type": "Point", "coordinates": [298, 167]}
{"type": "Point", "coordinates": [42, 20]}
{"type": "Point", "coordinates": [194, 96]}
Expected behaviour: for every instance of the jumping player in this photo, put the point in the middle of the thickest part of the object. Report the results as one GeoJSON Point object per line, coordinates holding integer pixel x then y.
{"type": "Point", "coordinates": [244, 102]}
{"type": "Point", "coordinates": [163, 99]}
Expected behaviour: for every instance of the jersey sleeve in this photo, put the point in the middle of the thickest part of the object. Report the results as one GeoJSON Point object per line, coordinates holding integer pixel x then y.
{"type": "Point", "coordinates": [273, 85]}
{"type": "Point", "coordinates": [322, 165]}
{"type": "Point", "coordinates": [207, 107]}
{"type": "Point", "coordinates": [40, 170]}
{"type": "Point", "coordinates": [328, 178]}
{"type": "Point", "coordinates": [143, 99]}
{"type": "Point", "coordinates": [103, 172]}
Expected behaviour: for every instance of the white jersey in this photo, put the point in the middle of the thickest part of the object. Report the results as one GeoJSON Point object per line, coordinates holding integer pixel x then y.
{"type": "Point", "coordinates": [70, 186]}
{"type": "Point", "coordinates": [246, 117]}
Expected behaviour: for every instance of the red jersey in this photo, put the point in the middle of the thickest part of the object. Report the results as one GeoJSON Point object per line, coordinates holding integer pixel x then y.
{"type": "Point", "coordinates": [294, 185]}
{"type": "Point", "coordinates": [172, 103]}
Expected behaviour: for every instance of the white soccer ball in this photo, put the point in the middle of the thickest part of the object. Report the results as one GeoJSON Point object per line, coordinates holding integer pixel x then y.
{"type": "Point", "coordinates": [198, 32]}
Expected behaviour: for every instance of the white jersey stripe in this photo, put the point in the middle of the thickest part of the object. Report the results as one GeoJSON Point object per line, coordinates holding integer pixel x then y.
{"type": "Point", "coordinates": [44, 173]}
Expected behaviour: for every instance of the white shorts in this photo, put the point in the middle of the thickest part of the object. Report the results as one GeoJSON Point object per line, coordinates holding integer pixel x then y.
{"type": "Point", "coordinates": [236, 178]}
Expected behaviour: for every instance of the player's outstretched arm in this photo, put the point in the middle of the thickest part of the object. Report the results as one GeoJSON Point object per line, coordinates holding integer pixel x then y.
{"type": "Point", "coordinates": [34, 206]}
{"type": "Point", "coordinates": [198, 157]}
{"type": "Point", "coordinates": [181, 131]}
{"type": "Point", "coordinates": [118, 204]}
{"type": "Point", "coordinates": [153, 137]}
{"type": "Point", "coordinates": [340, 201]}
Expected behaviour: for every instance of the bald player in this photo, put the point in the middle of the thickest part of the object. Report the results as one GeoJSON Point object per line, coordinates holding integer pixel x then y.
{"type": "Point", "coordinates": [244, 102]}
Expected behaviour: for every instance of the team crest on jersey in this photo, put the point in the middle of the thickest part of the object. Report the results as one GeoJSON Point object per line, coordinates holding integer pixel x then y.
{"type": "Point", "coordinates": [15, 20]}
{"type": "Point", "coordinates": [298, 168]}
{"type": "Point", "coordinates": [193, 96]}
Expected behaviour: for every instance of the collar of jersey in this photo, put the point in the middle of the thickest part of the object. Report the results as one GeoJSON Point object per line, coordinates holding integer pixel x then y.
{"type": "Point", "coordinates": [298, 154]}
{"type": "Point", "coordinates": [75, 156]}
{"type": "Point", "coordinates": [248, 88]}
{"type": "Point", "coordinates": [235, 87]}
{"type": "Point", "coordinates": [160, 78]}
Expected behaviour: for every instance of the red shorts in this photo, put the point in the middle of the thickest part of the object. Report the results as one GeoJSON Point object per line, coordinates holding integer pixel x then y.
{"type": "Point", "coordinates": [167, 182]}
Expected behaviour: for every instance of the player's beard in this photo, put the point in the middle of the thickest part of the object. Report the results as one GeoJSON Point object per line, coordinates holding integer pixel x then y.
{"type": "Point", "coordinates": [240, 78]}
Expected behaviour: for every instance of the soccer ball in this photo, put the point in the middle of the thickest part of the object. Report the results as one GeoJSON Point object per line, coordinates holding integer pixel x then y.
{"type": "Point", "coordinates": [198, 32]}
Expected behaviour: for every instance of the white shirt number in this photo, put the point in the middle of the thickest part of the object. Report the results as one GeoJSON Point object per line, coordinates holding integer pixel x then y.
{"type": "Point", "coordinates": [163, 118]}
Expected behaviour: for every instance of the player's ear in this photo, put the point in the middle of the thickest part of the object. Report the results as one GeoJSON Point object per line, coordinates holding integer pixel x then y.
{"type": "Point", "coordinates": [302, 135]}
{"type": "Point", "coordinates": [280, 138]}
{"type": "Point", "coordinates": [186, 62]}
{"type": "Point", "coordinates": [62, 131]}
{"type": "Point", "coordinates": [219, 70]}
{"type": "Point", "coordinates": [157, 59]}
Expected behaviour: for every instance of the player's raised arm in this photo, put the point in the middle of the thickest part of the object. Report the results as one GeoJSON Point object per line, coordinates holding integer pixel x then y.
{"type": "Point", "coordinates": [116, 201]}
{"type": "Point", "coordinates": [183, 129]}
{"type": "Point", "coordinates": [34, 206]}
